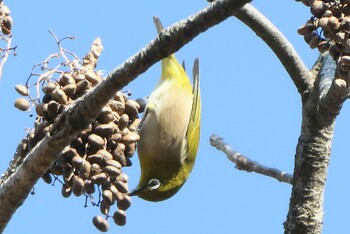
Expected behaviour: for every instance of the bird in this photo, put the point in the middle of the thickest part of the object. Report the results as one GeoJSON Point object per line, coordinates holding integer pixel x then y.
{"type": "Point", "coordinates": [169, 131]}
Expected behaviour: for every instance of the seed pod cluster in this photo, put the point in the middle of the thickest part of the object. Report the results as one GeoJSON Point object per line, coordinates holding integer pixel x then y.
{"type": "Point", "coordinates": [5, 19]}
{"type": "Point", "coordinates": [328, 29]}
{"type": "Point", "coordinates": [93, 162]}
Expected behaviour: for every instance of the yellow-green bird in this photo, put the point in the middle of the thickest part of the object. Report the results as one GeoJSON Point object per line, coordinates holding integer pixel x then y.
{"type": "Point", "coordinates": [169, 131]}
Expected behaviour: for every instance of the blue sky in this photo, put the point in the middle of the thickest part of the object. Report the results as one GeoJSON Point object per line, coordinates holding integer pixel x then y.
{"type": "Point", "coordinates": [247, 97]}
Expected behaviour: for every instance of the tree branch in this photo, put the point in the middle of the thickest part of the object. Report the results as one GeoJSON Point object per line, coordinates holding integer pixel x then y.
{"type": "Point", "coordinates": [244, 163]}
{"type": "Point", "coordinates": [15, 188]}
{"type": "Point", "coordinates": [279, 44]}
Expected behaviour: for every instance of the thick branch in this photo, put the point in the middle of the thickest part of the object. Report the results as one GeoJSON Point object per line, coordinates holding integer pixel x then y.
{"type": "Point", "coordinates": [244, 163]}
{"type": "Point", "coordinates": [305, 213]}
{"type": "Point", "coordinates": [17, 186]}
{"type": "Point", "coordinates": [279, 44]}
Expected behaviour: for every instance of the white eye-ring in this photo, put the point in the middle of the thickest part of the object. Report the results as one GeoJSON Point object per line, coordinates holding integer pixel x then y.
{"type": "Point", "coordinates": [153, 184]}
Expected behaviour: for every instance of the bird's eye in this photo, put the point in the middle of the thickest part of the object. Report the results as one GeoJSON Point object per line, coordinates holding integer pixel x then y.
{"type": "Point", "coordinates": [153, 184]}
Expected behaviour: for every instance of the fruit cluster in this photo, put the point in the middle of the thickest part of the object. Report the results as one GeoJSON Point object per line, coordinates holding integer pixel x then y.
{"type": "Point", "coordinates": [329, 29]}
{"type": "Point", "coordinates": [94, 160]}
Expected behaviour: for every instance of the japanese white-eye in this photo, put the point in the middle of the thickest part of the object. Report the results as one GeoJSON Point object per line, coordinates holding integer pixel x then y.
{"type": "Point", "coordinates": [169, 131]}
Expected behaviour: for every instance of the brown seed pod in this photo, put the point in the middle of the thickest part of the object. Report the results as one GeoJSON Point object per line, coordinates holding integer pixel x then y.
{"type": "Point", "coordinates": [119, 217]}
{"type": "Point", "coordinates": [49, 87]}
{"type": "Point", "coordinates": [105, 130]}
{"type": "Point", "coordinates": [104, 207]}
{"type": "Point", "coordinates": [70, 89]}
{"type": "Point", "coordinates": [130, 138]}
{"type": "Point", "coordinates": [70, 152]}
{"type": "Point", "coordinates": [95, 169]}
{"type": "Point", "coordinates": [60, 96]}
{"type": "Point", "coordinates": [66, 79]}
{"type": "Point", "coordinates": [345, 60]}
{"type": "Point", "coordinates": [121, 186]}
{"type": "Point", "coordinates": [333, 23]}
{"type": "Point", "coordinates": [89, 187]}
{"type": "Point", "coordinates": [5, 10]}
{"type": "Point", "coordinates": [117, 106]}
{"type": "Point", "coordinates": [117, 137]}
{"type": "Point", "coordinates": [92, 77]}
{"type": "Point", "coordinates": [96, 140]}
{"type": "Point", "coordinates": [323, 46]}
{"type": "Point", "coordinates": [100, 223]}
{"type": "Point", "coordinates": [132, 108]}
{"type": "Point", "coordinates": [22, 104]}
{"type": "Point", "coordinates": [142, 103]}
{"type": "Point", "coordinates": [22, 90]}
{"type": "Point", "coordinates": [6, 25]}
{"type": "Point", "coordinates": [52, 109]}
{"type": "Point", "coordinates": [78, 186]}
{"type": "Point", "coordinates": [113, 163]}
{"type": "Point", "coordinates": [119, 96]}
{"type": "Point", "coordinates": [323, 22]}
{"type": "Point", "coordinates": [134, 125]}
{"type": "Point", "coordinates": [82, 87]}
{"type": "Point", "coordinates": [130, 150]}
{"type": "Point", "coordinates": [124, 203]}
{"type": "Point", "coordinates": [39, 109]}
{"type": "Point", "coordinates": [124, 178]}
{"type": "Point", "coordinates": [85, 170]}
{"type": "Point", "coordinates": [306, 28]}
{"type": "Point", "coordinates": [68, 176]}
{"type": "Point", "coordinates": [99, 179]}
{"type": "Point", "coordinates": [47, 178]}
{"type": "Point", "coordinates": [78, 76]}
{"type": "Point", "coordinates": [108, 197]}
{"type": "Point", "coordinates": [95, 158]}
{"type": "Point", "coordinates": [319, 6]}
{"type": "Point", "coordinates": [118, 195]}
{"type": "Point", "coordinates": [66, 191]}
{"type": "Point", "coordinates": [105, 154]}
{"type": "Point", "coordinates": [123, 121]}
{"type": "Point", "coordinates": [77, 161]}
{"type": "Point", "coordinates": [105, 115]}
{"type": "Point", "coordinates": [112, 171]}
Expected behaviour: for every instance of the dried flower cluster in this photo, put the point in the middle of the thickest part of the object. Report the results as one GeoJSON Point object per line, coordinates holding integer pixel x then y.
{"type": "Point", "coordinates": [329, 29]}
{"type": "Point", "coordinates": [93, 163]}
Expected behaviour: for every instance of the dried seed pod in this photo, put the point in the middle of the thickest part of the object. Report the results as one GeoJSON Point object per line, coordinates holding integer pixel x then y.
{"type": "Point", "coordinates": [123, 121]}
{"type": "Point", "coordinates": [66, 191]}
{"type": "Point", "coordinates": [66, 79]}
{"type": "Point", "coordinates": [142, 103]}
{"type": "Point", "coordinates": [119, 217]}
{"type": "Point", "coordinates": [105, 115]}
{"type": "Point", "coordinates": [117, 106]}
{"type": "Point", "coordinates": [306, 28]}
{"type": "Point", "coordinates": [130, 150]}
{"type": "Point", "coordinates": [113, 163]}
{"type": "Point", "coordinates": [99, 179]}
{"type": "Point", "coordinates": [132, 108]}
{"type": "Point", "coordinates": [118, 154]}
{"type": "Point", "coordinates": [323, 46]}
{"type": "Point", "coordinates": [79, 77]}
{"type": "Point", "coordinates": [100, 223]}
{"type": "Point", "coordinates": [92, 77]}
{"type": "Point", "coordinates": [121, 186]}
{"type": "Point", "coordinates": [95, 169]}
{"type": "Point", "coordinates": [117, 137]}
{"type": "Point", "coordinates": [105, 154]}
{"type": "Point", "coordinates": [95, 158]}
{"type": "Point", "coordinates": [130, 138]}
{"type": "Point", "coordinates": [319, 6]}
{"type": "Point", "coordinates": [49, 87]}
{"type": "Point", "coordinates": [105, 130]}
{"type": "Point", "coordinates": [134, 125]}
{"type": "Point", "coordinates": [333, 23]}
{"type": "Point", "coordinates": [70, 89]}
{"type": "Point", "coordinates": [60, 96]}
{"type": "Point", "coordinates": [108, 197]}
{"type": "Point", "coordinates": [22, 90]}
{"type": "Point", "coordinates": [39, 109]}
{"type": "Point", "coordinates": [70, 152]}
{"type": "Point", "coordinates": [6, 25]}
{"type": "Point", "coordinates": [47, 178]}
{"type": "Point", "coordinates": [119, 97]}
{"type": "Point", "coordinates": [315, 39]}
{"type": "Point", "coordinates": [85, 170]}
{"type": "Point", "coordinates": [104, 207]}
{"type": "Point", "coordinates": [124, 203]}
{"type": "Point", "coordinates": [52, 109]}
{"type": "Point", "coordinates": [89, 187]}
{"type": "Point", "coordinates": [118, 195]}
{"type": "Point", "coordinates": [323, 22]}
{"type": "Point", "coordinates": [22, 104]}
{"type": "Point", "coordinates": [96, 140]}
{"type": "Point", "coordinates": [112, 171]}
{"type": "Point", "coordinates": [78, 186]}
{"type": "Point", "coordinates": [5, 10]}
{"type": "Point", "coordinates": [68, 177]}
{"type": "Point", "coordinates": [82, 87]}
{"type": "Point", "coordinates": [124, 178]}
{"type": "Point", "coordinates": [77, 161]}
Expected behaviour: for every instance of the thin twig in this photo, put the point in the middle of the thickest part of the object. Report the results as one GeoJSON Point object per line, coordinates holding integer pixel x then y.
{"type": "Point", "coordinates": [244, 163]}
{"type": "Point", "coordinates": [6, 55]}
{"type": "Point", "coordinates": [283, 49]}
